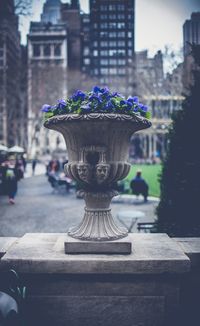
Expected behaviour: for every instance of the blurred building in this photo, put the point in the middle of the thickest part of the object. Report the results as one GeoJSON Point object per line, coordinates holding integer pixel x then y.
{"type": "Point", "coordinates": [11, 131]}
{"type": "Point", "coordinates": [47, 74]}
{"type": "Point", "coordinates": [111, 44]}
{"type": "Point", "coordinates": [191, 32]}
{"type": "Point", "coordinates": [163, 95]}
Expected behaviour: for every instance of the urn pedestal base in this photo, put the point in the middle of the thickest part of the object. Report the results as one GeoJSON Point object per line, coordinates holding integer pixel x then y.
{"type": "Point", "coordinates": [75, 246]}
{"type": "Point", "coordinates": [98, 223]}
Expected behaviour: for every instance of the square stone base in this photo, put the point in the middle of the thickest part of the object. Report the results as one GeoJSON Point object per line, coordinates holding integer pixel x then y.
{"type": "Point", "coordinates": [76, 246]}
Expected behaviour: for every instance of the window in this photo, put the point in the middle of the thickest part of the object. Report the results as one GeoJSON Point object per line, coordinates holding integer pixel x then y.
{"type": "Point", "coordinates": [112, 25]}
{"type": "Point", "coordinates": [36, 50]}
{"type": "Point", "coordinates": [121, 16]}
{"type": "Point", "coordinates": [96, 71]}
{"type": "Point", "coordinates": [120, 25]}
{"type": "Point", "coordinates": [112, 34]}
{"type": "Point", "coordinates": [86, 50]}
{"type": "Point", "coordinates": [130, 53]}
{"type": "Point", "coordinates": [121, 62]}
{"type": "Point", "coordinates": [121, 43]}
{"type": "Point", "coordinates": [121, 52]}
{"type": "Point", "coordinates": [129, 34]}
{"type": "Point", "coordinates": [130, 44]}
{"type": "Point", "coordinates": [104, 71]}
{"type": "Point", "coordinates": [113, 71]}
{"type": "Point", "coordinates": [112, 17]}
{"type": "Point", "coordinates": [95, 53]}
{"type": "Point", "coordinates": [103, 8]}
{"type": "Point", "coordinates": [121, 71]}
{"type": "Point", "coordinates": [1, 52]}
{"type": "Point", "coordinates": [95, 44]}
{"type": "Point", "coordinates": [112, 52]}
{"type": "Point", "coordinates": [104, 16]}
{"type": "Point", "coordinates": [112, 43]}
{"type": "Point", "coordinates": [113, 61]}
{"type": "Point", "coordinates": [104, 43]}
{"type": "Point", "coordinates": [112, 7]}
{"type": "Point", "coordinates": [121, 34]}
{"type": "Point", "coordinates": [86, 61]}
{"type": "Point", "coordinates": [103, 34]}
{"type": "Point", "coordinates": [57, 50]}
{"type": "Point", "coordinates": [120, 7]}
{"type": "Point", "coordinates": [104, 52]}
{"type": "Point", "coordinates": [95, 25]}
{"type": "Point", "coordinates": [104, 62]}
{"type": "Point", "coordinates": [47, 50]}
{"type": "Point", "coordinates": [104, 25]}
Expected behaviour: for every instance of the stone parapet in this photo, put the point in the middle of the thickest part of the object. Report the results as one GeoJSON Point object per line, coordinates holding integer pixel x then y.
{"type": "Point", "coordinates": [140, 289]}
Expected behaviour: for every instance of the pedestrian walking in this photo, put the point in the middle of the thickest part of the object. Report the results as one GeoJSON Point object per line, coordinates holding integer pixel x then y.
{"type": "Point", "coordinates": [11, 177]}
{"type": "Point", "coordinates": [34, 163]}
{"type": "Point", "coordinates": [139, 186]}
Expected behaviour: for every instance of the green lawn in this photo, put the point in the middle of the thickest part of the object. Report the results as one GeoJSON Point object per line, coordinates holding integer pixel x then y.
{"type": "Point", "coordinates": [150, 173]}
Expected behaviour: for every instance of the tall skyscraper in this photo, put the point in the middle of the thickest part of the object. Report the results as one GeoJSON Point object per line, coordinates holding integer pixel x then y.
{"type": "Point", "coordinates": [10, 56]}
{"type": "Point", "coordinates": [112, 43]}
{"type": "Point", "coordinates": [191, 32]}
{"type": "Point", "coordinates": [47, 73]}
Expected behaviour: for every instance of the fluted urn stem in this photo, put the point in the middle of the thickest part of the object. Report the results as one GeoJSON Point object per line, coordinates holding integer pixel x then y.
{"type": "Point", "coordinates": [98, 223]}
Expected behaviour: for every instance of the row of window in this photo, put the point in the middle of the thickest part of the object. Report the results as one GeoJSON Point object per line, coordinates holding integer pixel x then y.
{"type": "Point", "coordinates": [112, 7]}
{"type": "Point", "coordinates": [110, 71]}
{"type": "Point", "coordinates": [116, 34]}
{"type": "Point", "coordinates": [115, 25]}
{"type": "Point", "coordinates": [114, 16]}
{"type": "Point", "coordinates": [46, 50]}
{"type": "Point", "coordinates": [118, 43]}
{"type": "Point", "coordinates": [112, 52]}
{"type": "Point", "coordinates": [107, 62]}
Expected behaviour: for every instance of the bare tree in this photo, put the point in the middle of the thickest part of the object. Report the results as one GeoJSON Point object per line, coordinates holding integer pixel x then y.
{"type": "Point", "coordinates": [23, 7]}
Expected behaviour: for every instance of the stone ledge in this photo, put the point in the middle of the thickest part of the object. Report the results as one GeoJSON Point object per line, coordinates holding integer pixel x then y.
{"type": "Point", "coordinates": [151, 254]}
{"type": "Point", "coordinates": [191, 247]}
{"type": "Point", "coordinates": [5, 244]}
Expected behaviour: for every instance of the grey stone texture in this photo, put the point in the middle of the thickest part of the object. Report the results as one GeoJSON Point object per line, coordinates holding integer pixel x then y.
{"type": "Point", "coordinates": [191, 247]}
{"type": "Point", "coordinates": [5, 244]}
{"type": "Point", "coordinates": [140, 289]}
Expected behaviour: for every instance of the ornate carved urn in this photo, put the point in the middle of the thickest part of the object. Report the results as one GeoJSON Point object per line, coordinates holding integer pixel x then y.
{"type": "Point", "coordinates": [98, 148]}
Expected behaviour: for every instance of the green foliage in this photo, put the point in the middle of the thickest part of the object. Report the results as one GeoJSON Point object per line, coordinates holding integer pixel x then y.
{"type": "Point", "coordinates": [178, 210]}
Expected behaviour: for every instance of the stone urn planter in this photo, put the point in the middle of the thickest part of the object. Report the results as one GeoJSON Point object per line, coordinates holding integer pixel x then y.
{"type": "Point", "coordinates": [98, 148]}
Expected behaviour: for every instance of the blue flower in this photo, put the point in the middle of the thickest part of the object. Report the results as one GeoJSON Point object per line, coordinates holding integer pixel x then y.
{"type": "Point", "coordinates": [109, 105]}
{"type": "Point", "coordinates": [86, 108]}
{"type": "Point", "coordinates": [96, 89]}
{"type": "Point", "coordinates": [123, 102]}
{"type": "Point", "coordinates": [78, 95]}
{"type": "Point", "coordinates": [46, 108]}
{"type": "Point", "coordinates": [95, 97]}
{"type": "Point", "coordinates": [145, 108]}
{"type": "Point", "coordinates": [61, 104]}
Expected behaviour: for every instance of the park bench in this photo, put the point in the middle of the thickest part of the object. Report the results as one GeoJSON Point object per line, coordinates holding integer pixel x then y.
{"type": "Point", "coordinates": [147, 227]}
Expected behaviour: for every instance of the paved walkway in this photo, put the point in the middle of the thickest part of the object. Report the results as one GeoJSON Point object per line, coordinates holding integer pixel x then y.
{"type": "Point", "coordinates": [39, 209]}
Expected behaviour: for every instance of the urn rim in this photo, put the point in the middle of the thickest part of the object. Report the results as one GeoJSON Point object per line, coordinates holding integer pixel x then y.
{"type": "Point", "coordinates": [70, 117]}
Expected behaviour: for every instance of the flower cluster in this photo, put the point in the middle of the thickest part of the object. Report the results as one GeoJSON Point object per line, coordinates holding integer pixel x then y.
{"type": "Point", "coordinates": [99, 100]}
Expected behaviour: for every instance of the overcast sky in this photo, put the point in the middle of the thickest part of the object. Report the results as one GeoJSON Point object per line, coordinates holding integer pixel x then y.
{"type": "Point", "coordinates": [157, 22]}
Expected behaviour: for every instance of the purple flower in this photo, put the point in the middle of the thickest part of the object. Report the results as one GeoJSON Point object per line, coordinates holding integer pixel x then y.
{"type": "Point", "coordinates": [109, 105]}
{"type": "Point", "coordinates": [123, 102]}
{"type": "Point", "coordinates": [96, 89]}
{"type": "Point", "coordinates": [95, 97]}
{"type": "Point", "coordinates": [46, 108]}
{"type": "Point", "coordinates": [61, 104]}
{"type": "Point", "coordinates": [78, 95]}
{"type": "Point", "coordinates": [116, 94]}
{"type": "Point", "coordinates": [145, 108]}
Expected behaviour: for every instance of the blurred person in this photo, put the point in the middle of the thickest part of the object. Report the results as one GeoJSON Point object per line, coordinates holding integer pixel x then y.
{"type": "Point", "coordinates": [11, 176]}
{"type": "Point", "coordinates": [139, 186]}
{"type": "Point", "coordinates": [34, 163]}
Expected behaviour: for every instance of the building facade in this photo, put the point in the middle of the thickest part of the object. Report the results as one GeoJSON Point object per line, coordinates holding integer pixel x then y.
{"type": "Point", "coordinates": [112, 43]}
{"type": "Point", "coordinates": [11, 132]}
{"type": "Point", "coordinates": [47, 75]}
{"type": "Point", "coordinates": [191, 32]}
